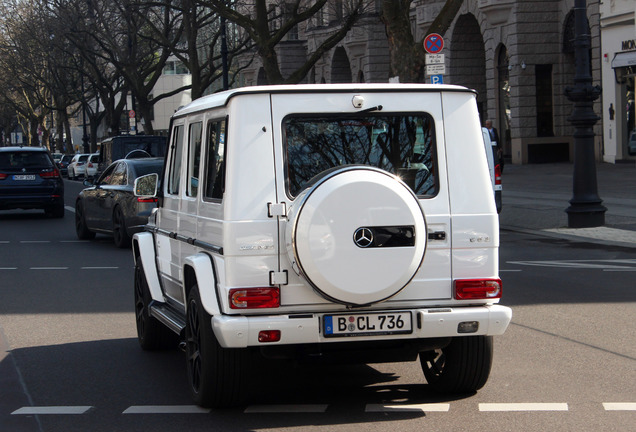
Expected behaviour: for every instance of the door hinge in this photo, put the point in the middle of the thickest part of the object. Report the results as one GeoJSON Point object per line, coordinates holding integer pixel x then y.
{"type": "Point", "coordinates": [278, 278]}
{"type": "Point", "coordinates": [276, 209]}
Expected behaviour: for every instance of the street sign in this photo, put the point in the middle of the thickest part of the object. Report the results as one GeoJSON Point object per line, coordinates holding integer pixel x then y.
{"type": "Point", "coordinates": [131, 114]}
{"type": "Point", "coordinates": [434, 59]}
{"type": "Point", "coordinates": [433, 43]}
{"type": "Point", "coordinates": [435, 69]}
{"type": "Point", "coordinates": [437, 79]}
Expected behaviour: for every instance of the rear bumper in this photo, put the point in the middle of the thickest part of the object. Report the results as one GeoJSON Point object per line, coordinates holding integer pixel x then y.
{"type": "Point", "coordinates": [242, 331]}
{"type": "Point", "coordinates": [30, 201]}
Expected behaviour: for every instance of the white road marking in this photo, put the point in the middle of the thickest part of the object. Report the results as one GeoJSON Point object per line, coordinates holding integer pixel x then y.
{"type": "Point", "coordinates": [48, 268]}
{"type": "Point", "coordinates": [99, 268]}
{"type": "Point", "coordinates": [440, 407]}
{"type": "Point", "coordinates": [286, 409]}
{"type": "Point", "coordinates": [605, 265]}
{"type": "Point", "coordinates": [166, 409]}
{"type": "Point", "coordinates": [35, 241]}
{"type": "Point", "coordinates": [619, 406]}
{"type": "Point", "coordinates": [8, 268]}
{"type": "Point", "coordinates": [523, 407]}
{"type": "Point", "coordinates": [69, 208]}
{"type": "Point", "coordinates": [52, 410]}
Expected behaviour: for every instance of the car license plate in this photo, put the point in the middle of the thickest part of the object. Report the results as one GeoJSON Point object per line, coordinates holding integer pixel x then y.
{"type": "Point", "coordinates": [24, 177]}
{"type": "Point", "coordinates": [370, 324]}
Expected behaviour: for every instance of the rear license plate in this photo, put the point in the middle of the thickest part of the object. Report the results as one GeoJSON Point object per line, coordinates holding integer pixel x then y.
{"type": "Point", "coordinates": [370, 324]}
{"type": "Point", "coordinates": [24, 177]}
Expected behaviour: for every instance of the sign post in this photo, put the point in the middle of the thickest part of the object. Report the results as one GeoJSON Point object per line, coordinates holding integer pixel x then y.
{"type": "Point", "coordinates": [435, 66]}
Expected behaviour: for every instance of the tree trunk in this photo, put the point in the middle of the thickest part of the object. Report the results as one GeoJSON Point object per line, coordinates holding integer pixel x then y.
{"type": "Point", "coordinates": [407, 59]}
{"type": "Point", "coordinates": [407, 56]}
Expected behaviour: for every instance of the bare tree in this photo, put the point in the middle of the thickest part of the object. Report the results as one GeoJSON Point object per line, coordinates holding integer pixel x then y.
{"type": "Point", "coordinates": [268, 23]}
{"type": "Point", "coordinates": [407, 55]}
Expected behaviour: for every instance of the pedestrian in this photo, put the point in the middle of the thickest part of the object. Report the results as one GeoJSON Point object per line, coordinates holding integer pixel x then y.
{"type": "Point", "coordinates": [494, 137]}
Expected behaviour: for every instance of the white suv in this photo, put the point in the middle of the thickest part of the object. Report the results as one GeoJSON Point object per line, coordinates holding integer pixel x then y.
{"type": "Point", "coordinates": [345, 221]}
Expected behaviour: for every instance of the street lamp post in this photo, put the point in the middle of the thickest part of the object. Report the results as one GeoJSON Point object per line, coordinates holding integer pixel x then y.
{"type": "Point", "coordinates": [585, 208]}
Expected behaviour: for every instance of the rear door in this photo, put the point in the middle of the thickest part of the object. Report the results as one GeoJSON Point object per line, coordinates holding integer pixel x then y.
{"type": "Point", "coordinates": [168, 248]}
{"type": "Point", "coordinates": [400, 133]}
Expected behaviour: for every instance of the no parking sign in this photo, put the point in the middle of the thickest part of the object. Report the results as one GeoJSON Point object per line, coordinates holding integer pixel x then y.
{"type": "Point", "coordinates": [433, 43]}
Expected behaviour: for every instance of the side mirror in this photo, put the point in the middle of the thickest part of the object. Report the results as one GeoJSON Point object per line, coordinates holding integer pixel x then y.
{"type": "Point", "coordinates": [146, 186]}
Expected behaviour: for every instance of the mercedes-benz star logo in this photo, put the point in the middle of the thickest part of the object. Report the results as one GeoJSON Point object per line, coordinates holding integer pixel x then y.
{"type": "Point", "coordinates": [363, 237]}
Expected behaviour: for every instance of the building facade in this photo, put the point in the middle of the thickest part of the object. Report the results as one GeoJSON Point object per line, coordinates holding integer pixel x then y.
{"type": "Point", "coordinates": [618, 50]}
{"type": "Point", "coordinates": [517, 54]}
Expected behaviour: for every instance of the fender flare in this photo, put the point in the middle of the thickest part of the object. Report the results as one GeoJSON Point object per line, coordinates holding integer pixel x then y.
{"type": "Point", "coordinates": [144, 247]}
{"type": "Point", "coordinates": [206, 278]}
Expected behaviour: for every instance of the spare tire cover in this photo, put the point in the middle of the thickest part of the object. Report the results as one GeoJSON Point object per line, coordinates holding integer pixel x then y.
{"type": "Point", "coordinates": [357, 235]}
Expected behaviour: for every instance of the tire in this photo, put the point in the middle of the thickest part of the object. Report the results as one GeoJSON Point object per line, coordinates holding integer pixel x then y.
{"type": "Point", "coordinates": [217, 375]}
{"type": "Point", "coordinates": [83, 233]}
{"type": "Point", "coordinates": [151, 334]}
{"type": "Point", "coordinates": [461, 367]}
{"type": "Point", "coordinates": [120, 235]}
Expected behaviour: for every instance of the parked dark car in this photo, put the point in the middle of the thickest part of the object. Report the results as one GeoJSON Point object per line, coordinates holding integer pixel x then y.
{"type": "Point", "coordinates": [63, 163]}
{"type": "Point", "coordinates": [29, 179]}
{"type": "Point", "coordinates": [109, 205]}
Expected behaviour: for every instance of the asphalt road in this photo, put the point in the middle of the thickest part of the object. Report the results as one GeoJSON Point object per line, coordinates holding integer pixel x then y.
{"type": "Point", "coordinates": [69, 359]}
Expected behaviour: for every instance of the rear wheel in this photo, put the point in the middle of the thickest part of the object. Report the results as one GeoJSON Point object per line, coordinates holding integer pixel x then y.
{"type": "Point", "coordinates": [120, 235]}
{"type": "Point", "coordinates": [83, 233]}
{"type": "Point", "coordinates": [461, 367]}
{"type": "Point", "coordinates": [217, 375]}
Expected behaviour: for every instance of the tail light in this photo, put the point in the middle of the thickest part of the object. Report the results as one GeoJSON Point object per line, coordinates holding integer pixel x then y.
{"type": "Point", "coordinates": [269, 336]}
{"type": "Point", "coordinates": [3, 176]}
{"type": "Point", "coordinates": [472, 289]}
{"type": "Point", "coordinates": [90, 165]}
{"type": "Point", "coordinates": [146, 199]}
{"type": "Point", "coordinates": [254, 298]}
{"type": "Point", "coordinates": [54, 173]}
{"type": "Point", "coordinates": [498, 174]}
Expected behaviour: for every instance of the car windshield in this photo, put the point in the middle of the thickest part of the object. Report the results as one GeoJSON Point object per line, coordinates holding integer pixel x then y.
{"type": "Point", "coordinates": [400, 144]}
{"type": "Point", "coordinates": [24, 159]}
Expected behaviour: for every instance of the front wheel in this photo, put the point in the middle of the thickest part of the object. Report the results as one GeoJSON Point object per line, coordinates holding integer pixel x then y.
{"type": "Point", "coordinates": [151, 334]}
{"type": "Point", "coordinates": [461, 367]}
{"type": "Point", "coordinates": [217, 375]}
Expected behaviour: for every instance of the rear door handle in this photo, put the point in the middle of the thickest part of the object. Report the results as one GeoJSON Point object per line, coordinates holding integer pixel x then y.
{"type": "Point", "coordinates": [437, 235]}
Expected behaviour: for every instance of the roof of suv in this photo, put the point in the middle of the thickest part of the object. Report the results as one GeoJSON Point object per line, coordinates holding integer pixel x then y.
{"type": "Point", "coordinates": [222, 98]}
{"type": "Point", "coordinates": [23, 148]}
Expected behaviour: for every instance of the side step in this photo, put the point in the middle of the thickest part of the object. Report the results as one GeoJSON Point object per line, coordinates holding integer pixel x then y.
{"type": "Point", "coordinates": [167, 316]}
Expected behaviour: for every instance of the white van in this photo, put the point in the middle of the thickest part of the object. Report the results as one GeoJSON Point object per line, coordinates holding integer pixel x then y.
{"type": "Point", "coordinates": [351, 222]}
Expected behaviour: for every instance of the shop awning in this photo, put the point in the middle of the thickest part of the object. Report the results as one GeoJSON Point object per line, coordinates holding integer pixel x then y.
{"type": "Point", "coordinates": [624, 59]}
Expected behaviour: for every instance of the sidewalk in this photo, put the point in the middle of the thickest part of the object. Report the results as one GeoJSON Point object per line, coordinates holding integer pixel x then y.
{"type": "Point", "coordinates": [535, 198]}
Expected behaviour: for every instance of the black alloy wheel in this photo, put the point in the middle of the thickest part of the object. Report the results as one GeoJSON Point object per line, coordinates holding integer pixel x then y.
{"type": "Point", "coordinates": [461, 367]}
{"type": "Point", "coordinates": [217, 375]}
{"type": "Point", "coordinates": [151, 334]}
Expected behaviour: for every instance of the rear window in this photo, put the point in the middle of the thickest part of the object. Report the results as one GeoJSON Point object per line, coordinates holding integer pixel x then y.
{"type": "Point", "coordinates": [402, 144]}
{"type": "Point", "coordinates": [142, 170]}
{"type": "Point", "coordinates": [24, 159]}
